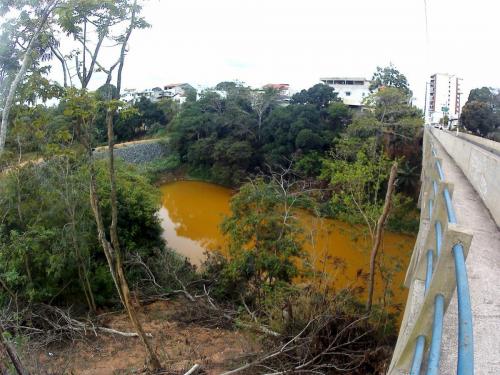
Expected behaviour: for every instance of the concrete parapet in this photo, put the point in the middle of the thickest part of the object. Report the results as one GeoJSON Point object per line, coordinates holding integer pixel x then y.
{"type": "Point", "coordinates": [479, 236]}
{"type": "Point", "coordinates": [480, 165]}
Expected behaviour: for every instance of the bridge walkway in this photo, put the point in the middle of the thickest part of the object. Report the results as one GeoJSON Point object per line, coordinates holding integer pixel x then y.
{"type": "Point", "coordinates": [483, 268]}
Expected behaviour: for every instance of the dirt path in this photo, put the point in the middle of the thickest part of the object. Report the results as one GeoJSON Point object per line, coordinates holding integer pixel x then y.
{"type": "Point", "coordinates": [178, 345]}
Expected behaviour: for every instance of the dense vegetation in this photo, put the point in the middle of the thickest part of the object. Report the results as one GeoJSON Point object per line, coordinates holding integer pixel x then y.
{"type": "Point", "coordinates": [49, 246]}
{"type": "Point", "coordinates": [77, 232]}
{"type": "Point", "coordinates": [225, 139]}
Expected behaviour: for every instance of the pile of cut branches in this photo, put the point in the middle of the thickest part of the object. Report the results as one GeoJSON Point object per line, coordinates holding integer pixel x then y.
{"type": "Point", "coordinates": [328, 344]}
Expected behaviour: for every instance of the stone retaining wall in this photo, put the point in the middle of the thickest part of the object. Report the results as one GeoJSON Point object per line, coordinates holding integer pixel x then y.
{"type": "Point", "coordinates": [137, 152]}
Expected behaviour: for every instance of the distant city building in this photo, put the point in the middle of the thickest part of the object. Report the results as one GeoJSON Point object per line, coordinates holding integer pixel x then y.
{"type": "Point", "coordinates": [351, 90]}
{"type": "Point", "coordinates": [178, 91]}
{"type": "Point", "coordinates": [175, 91]}
{"type": "Point", "coordinates": [443, 98]}
{"type": "Point", "coordinates": [283, 90]}
{"type": "Point", "coordinates": [133, 95]}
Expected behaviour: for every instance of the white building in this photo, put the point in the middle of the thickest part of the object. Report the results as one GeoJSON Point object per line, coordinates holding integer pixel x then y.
{"type": "Point", "coordinates": [352, 90]}
{"type": "Point", "coordinates": [443, 98]}
{"type": "Point", "coordinates": [133, 95]}
{"type": "Point", "coordinates": [176, 91]}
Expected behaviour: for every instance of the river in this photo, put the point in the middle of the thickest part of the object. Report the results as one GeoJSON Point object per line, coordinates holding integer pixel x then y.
{"type": "Point", "coordinates": [192, 212]}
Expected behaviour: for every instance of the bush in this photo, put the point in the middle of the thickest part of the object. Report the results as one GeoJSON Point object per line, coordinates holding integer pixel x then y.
{"type": "Point", "coordinates": [48, 239]}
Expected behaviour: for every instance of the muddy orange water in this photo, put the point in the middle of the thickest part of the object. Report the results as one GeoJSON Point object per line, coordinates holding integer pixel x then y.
{"type": "Point", "coordinates": [192, 211]}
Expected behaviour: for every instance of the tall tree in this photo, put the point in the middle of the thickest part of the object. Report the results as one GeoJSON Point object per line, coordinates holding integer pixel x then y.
{"type": "Point", "coordinates": [112, 247]}
{"type": "Point", "coordinates": [92, 23]}
{"type": "Point", "coordinates": [478, 117]}
{"type": "Point", "coordinates": [319, 95]}
{"type": "Point", "coordinates": [483, 94]}
{"type": "Point", "coordinates": [389, 76]}
{"type": "Point", "coordinates": [41, 11]}
{"type": "Point", "coordinates": [379, 232]}
{"type": "Point", "coordinates": [261, 101]}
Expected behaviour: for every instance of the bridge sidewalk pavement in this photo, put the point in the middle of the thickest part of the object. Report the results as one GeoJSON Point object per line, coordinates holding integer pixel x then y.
{"type": "Point", "coordinates": [483, 268]}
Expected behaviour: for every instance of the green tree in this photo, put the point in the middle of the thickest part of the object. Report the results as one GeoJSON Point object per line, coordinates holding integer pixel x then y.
{"type": "Point", "coordinates": [481, 113]}
{"type": "Point", "coordinates": [340, 114]}
{"type": "Point", "coordinates": [357, 184]}
{"type": "Point", "coordinates": [262, 102]}
{"type": "Point", "coordinates": [49, 249]}
{"type": "Point", "coordinates": [319, 95]}
{"type": "Point", "coordinates": [33, 18]}
{"type": "Point", "coordinates": [307, 140]}
{"type": "Point", "coordinates": [478, 117]}
{"type": "Point", "coordinates": [142, 118]}
{"type": "Point", "coordinates": [482, 94]}
{"type": "Point", "coordinates": [264, 241]}
{"type": "Point", "coordinates": [389, 76]}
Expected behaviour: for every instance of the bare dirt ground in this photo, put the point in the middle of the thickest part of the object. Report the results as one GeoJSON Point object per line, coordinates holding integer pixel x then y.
{"type": "Point", "coordinates": [179, 346]}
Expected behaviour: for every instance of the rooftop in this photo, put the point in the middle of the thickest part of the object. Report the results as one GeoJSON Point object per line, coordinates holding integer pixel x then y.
{"type": "Point", "coordinates": [344, 79]}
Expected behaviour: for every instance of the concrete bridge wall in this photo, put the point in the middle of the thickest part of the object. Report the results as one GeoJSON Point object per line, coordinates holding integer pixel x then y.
{"type": "Point", "coordinates": [478, 161]}
{"type": "Point", "coordinates": [457, 164]}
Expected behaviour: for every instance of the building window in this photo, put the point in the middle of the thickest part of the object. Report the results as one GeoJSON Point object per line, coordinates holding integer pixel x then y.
{"type": "Point", "coordinates": [347, 93]}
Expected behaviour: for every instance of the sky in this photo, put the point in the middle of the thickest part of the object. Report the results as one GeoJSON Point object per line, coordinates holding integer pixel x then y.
{"type": "Point", "coordinates": [299, 41]}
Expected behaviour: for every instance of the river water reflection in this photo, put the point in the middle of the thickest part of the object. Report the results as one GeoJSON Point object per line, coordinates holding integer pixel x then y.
{"type": "Point", "coordinates": [192, 212]}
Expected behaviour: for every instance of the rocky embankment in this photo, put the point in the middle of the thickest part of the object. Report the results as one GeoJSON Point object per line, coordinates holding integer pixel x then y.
{"type": "Point", "coordinates": [137, 152]}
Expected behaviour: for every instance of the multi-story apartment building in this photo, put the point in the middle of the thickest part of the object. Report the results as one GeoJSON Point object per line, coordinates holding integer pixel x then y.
{"type": "Point", "coordinates": [443, 98]}
{"type": "Point", "coordinates": [351, 90]}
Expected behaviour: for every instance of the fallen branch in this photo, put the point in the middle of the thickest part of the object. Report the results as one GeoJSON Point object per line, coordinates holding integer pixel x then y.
{"type": "Point", "coordinates": [193, 370]}
{"type": "Point", "coordinates": [120, 333]}
{"type": "Point", "coordinates": [282, 350]}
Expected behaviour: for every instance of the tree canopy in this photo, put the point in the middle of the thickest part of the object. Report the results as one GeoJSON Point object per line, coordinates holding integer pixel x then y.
{"type": "Point", "coordinates": [389, 76]}
{"type": "Point", "coordinates": [481, 113]}
{"type": "Point", "coordinates": [319, 95]}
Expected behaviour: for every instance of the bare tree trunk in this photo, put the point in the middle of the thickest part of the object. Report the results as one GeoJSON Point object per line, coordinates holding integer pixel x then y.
{"type": "Point", "coordinates": [116, 269]}
{"type": "Point", "coordinates": [379, 232]}
{"type": "Point", "coordinates": [20, 74]}
{"type": "Point", "coordinates": [112, 250]}
{"type": "Point", "coordinates": [13, 356]}
{"type": "Point", "coordinates": [64, 66]}
{"type": "Point", "coordinates": [82, 270]}
{"type": "Point", "coordinates": [153, 362]}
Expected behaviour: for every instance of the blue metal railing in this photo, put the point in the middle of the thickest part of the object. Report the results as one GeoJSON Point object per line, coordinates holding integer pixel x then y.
{"type": "Point", "coordinates": [437, 334]}
{"type": "Point", "coordinates": [465, 334]}
{"type": "Point", "coordinates": [465, 365]}
{"type": "Point", "coordinates": [418, 356]}
{"type": "Point", "coordinates": [428, 274]}
{"type": "Point", "coordinates": [438, 231]}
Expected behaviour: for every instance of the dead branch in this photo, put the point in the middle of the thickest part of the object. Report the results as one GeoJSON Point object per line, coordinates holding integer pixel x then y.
{"type": "Point", "coordinates": [193, 370]}
{"type": "Point", "coordinates": [378, 232]}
